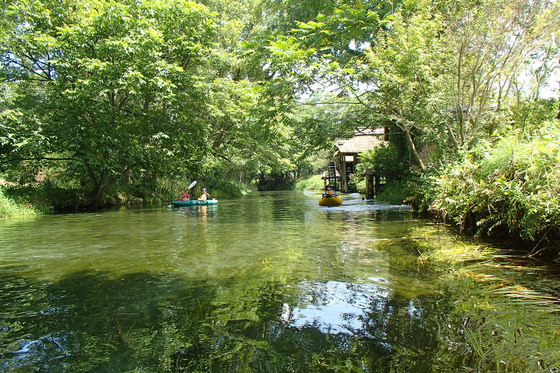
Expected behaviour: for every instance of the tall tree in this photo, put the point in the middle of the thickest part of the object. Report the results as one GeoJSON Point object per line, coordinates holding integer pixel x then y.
{"type": "Point", "coordinates": [491, 42]}
{"type": "Point", "coordinates": [440, 73]}
{"type": "Point", "coordinates": [118, 86]}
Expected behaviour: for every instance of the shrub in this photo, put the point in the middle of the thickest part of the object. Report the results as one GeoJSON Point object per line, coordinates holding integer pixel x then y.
{"type": "Point", "coordinates": [395, 192]}
{"type": "Point", "coordinates": [48, 196]}
{"type": "Point", "coordinates": [314, 182]}
{"type": "Point", "coordinates": [513, 187]}
{"type": "Point", "coordinates": [10, 208]}
{"type": "Point", "coordinates": [385, 160]}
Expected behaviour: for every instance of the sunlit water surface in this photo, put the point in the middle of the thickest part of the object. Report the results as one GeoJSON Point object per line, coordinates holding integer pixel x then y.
{"type": "Point", "coordinates": [269, 282]}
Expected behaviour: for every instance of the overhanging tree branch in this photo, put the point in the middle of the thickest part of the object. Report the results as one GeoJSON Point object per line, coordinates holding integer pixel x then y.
{"type": "Point", "coordinates": [36, 159]}
{"type": "Point", "coordinates": [329, 103]}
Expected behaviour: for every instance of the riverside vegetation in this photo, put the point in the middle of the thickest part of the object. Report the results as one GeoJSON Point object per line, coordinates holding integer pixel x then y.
{"type": "Point", "coordinates": [508, 188]}
{"type": "Point", "coordinates": [108, 103]}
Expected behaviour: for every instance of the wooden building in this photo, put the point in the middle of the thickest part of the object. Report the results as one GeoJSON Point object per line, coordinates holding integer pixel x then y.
{"type": "Point", "coordinates": [348, 153]}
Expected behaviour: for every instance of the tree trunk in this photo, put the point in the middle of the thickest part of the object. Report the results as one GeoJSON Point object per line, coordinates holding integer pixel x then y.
{"type": "Point", "coordinates": [101, 182]}
{"type": "Point", "coordinates": [412, 146]}
{"type": "Point", "coordinates": [98, 182]}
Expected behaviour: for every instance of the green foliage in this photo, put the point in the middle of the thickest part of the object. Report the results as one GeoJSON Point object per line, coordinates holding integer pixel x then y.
{"type": "Point", "coordinates": [357, 182]}
{"type": "Point", "coordinates": [396, 192]}
{"type": "Point", "coordinates": [512, 186]}
{"type": "Point", "coordinates": [385, 160]}
{"type": "Point", "coordinates": [226, 188]}
{"type": "Point", "coordinates": [316, 162]}
{"type": "Point", "coordinates": [423, 191]}
{"type": "Point", "coordinates": [19, 133]}
{"type": "Point", "coordinates": [442, 75]}
{"type": "Point", "coordinates": [10, 208]}
{"type": "Point", "coordinates": [529, 116]}
{"type": "Point", "coordinates": [147, 90]}
{"type": "Point", "coordinates": [237, 91]}
{"type": "Point", "coordinates": [391, 162]}
{"type": "Point", "coordinates": [50, 196]}
{"type": "Point", "coordinates": [118, 86]}
{"type": "Point", "coordinates": [314, 182]}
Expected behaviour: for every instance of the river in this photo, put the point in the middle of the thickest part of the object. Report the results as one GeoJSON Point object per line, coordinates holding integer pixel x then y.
{"type": "Point", "coordinates": [270, 282]}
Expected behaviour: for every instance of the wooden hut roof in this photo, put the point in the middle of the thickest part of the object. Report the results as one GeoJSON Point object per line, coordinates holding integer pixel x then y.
{"type": "Point", "coordinates": [358, 144]}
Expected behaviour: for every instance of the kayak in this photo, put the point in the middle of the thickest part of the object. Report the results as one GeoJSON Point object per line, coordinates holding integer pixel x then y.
{"type": "Point", "coordinates": [330, 201]}
{"type": "Point", "coordinates": [194, 202]}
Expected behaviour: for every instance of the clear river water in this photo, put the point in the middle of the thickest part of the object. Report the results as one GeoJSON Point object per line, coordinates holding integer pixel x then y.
{"type": "Point", "coordinates": [270, 282]}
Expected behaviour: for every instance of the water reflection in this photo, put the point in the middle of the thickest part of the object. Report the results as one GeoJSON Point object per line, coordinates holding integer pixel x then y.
{"type": "Point", "coordinates": [335, 307]}
{"type": "Point", "coordinates": [265, 283]}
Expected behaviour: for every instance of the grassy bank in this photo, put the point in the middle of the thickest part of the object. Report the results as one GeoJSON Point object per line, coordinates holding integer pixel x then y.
{"type": "Point", "coordinates": [57, 196]}
{"type": "Point", "coordinates": [314, 182]}
{"type": "Point", "coordinates": [11, 208]}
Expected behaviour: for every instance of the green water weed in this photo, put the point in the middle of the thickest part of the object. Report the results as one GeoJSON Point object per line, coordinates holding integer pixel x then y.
{"type": "Point", "coordinates": [507, 326]}
{"type": "Point", "coordinates": [500, 325]}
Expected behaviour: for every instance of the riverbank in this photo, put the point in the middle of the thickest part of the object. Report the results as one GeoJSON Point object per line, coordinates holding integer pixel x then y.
{"type": "Point", "coordinates": [10, 208]}
{"type": "Point", "coordinates": [509, 190]}
{"type": "Point", "coordinates": [52, 197]}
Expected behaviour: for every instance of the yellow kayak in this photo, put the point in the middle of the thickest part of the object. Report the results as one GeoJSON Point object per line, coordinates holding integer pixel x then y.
{"type": "Point", "coordinates": [330, 201]}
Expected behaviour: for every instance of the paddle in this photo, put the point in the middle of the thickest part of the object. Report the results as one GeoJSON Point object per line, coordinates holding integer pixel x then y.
{"type": "Point", "coordinates": [190, 186]}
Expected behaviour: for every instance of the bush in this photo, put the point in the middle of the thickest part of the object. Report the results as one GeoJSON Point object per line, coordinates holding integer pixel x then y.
{"type": "Point", "coordinates": [357, 182]}
{"type": "Point", "coordinates": [314, 182]}
{"type": "Point", "coordinates": [226, 188]}
{"type": "Point", "coordinates": [168, 189]}
{"type": "Point", "coordinates": [47, 196]}
{"type": "Point", "coordinates": [395, 192]}
{"type": "Point", "coordinates": [513, 188]}
{"type": "Point", "coordinates": [11, 208]}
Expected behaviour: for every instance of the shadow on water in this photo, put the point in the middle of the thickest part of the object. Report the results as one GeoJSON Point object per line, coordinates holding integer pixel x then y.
{"type": "Point", "coordinates": [91, 321]}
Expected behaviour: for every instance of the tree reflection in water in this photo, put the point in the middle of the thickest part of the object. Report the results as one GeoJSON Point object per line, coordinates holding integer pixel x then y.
{"type": "Point", "coordinates": [94, 322]}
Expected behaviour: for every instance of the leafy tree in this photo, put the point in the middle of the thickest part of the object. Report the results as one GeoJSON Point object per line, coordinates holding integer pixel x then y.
{"type": "Point", "coordinates": [492, 45]}
{"type": "Point", "coordinates": [119, 86]}
{"type": "Point", "coordinates": [438, 73]}
{"type": "Point", "coordinates": [404, 66]}
{"type": "Point", "coordinates": [385, 160]}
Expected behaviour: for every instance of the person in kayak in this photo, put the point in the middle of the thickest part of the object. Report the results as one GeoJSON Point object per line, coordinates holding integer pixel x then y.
{"type": "Point", "coordinates": [185, 196]}
{"type": "Point", "coordinates": [204, 196]}
{"type": "Point", "coordinates": [329, 191]}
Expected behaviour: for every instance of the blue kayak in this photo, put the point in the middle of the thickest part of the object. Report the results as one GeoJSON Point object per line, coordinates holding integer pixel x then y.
{"type": "Point", "coordinates": [194, 202]}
